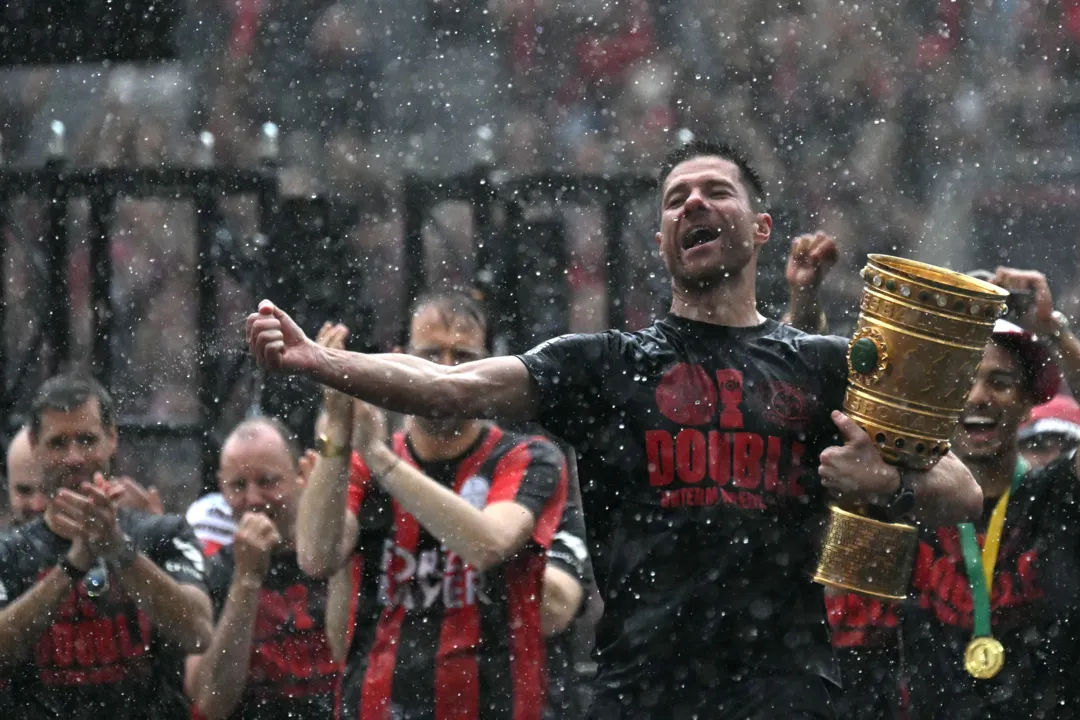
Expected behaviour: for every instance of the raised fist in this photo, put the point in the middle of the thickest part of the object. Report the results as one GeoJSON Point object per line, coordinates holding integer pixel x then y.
{"type": "Point", "coordinates": [277, 342]}
{"type": "Point", "coordinates": [256, 536]}
{"type": "Point", "coordinates": [811, 258]}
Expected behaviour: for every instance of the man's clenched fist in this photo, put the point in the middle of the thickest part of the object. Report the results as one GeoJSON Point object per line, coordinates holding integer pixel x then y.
{"type": "Point", "coordinates": [256, 536]}
{"type": "Point", "coordinates": [277, 342]}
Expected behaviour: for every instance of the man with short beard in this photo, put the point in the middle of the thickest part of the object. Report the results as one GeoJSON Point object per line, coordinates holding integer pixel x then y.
{"type": "Point", "coordinates": [269, 657]}
{"type": "Point", "coordinates": [448, 551]}
{"type": "Point", "coordinates": [98, 604]}
{"type": "Point", "coordinates": [699, 437]}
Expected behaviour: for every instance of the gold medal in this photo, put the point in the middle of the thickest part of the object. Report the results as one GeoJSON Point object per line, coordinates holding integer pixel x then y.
{"type": "Point", "coordinates": [984, 657]}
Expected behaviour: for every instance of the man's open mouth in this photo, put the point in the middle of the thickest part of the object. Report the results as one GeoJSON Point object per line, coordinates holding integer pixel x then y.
{"type": "Point", "coordinates": [979, 426]}
{"type": "Point", "coordinates": [699, 236]}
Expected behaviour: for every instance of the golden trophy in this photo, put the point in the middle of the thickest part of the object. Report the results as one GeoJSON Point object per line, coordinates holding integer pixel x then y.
{"type": "Point", "coordinates": [911, 365]}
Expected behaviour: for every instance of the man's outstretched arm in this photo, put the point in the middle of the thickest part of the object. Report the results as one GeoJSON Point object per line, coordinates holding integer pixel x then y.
{"type": "Point", "coordinates": [498, 387]}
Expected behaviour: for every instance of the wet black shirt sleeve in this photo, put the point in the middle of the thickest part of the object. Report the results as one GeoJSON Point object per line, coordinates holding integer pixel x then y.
{"type": "Point", "coordinates": [170, 543]}
{"type": "Point", "coordinates": [570, 372]}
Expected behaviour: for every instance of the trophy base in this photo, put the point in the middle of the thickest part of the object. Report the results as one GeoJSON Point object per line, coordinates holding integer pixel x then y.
{"type": "Point", "coordinates": [867, 556]}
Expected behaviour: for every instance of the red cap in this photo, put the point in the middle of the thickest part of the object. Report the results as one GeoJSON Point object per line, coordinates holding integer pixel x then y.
{"type": "Point", "coordinates": [1041, 374]}
{"type": "Point", "coordinates": [1060, 416]}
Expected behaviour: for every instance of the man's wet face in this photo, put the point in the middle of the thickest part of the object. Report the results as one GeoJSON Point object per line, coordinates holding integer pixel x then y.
{"type": "Point", "coordinates": [708, 228]}
{"type": "Point", "coordinates": [995, 408]}
{"type": "Point", "coordinates": [72, 445]}
{"type": "Point", "coordinates": [446, 339]}
{"type": "Point", "coordinates": [256, 473]}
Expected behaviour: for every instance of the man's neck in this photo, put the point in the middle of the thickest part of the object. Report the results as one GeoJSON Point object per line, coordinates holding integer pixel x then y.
{"type": "Point", "coordinates": [995, 475]}
{"type": "Point", "coordinates": [732, 303]}
{"type": "Point", "coordinates": [430, 447]}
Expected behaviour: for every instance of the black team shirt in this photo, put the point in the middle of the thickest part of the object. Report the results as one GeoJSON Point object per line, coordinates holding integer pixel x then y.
{"type": "Point", "coordinates": [434, 638]}
{"type": "Point", "coordinates": [99, 657]}
{"type": "Point", "coordinates": [292, 674]}
{"type": "Point", "coordinates": [698, 449]}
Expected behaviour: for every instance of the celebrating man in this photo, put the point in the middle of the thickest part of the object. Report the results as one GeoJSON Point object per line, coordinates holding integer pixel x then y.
{"type": "Point", "coordinates": [451, 529]}
{"type": "Point", "coordinates": [98, 604]}
{"type": "Point", "coordinates": [699, 437]}
{"type": "Point", "coordinates": [269, 656]}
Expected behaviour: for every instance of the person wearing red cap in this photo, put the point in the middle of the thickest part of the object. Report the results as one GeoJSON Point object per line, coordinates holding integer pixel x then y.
{"type": "Point", "coordinates": [996, 592]}
{"type": "Point", "coordinates": [1051, 430]}
{"type": "Point", "coordinates": [987, 631]}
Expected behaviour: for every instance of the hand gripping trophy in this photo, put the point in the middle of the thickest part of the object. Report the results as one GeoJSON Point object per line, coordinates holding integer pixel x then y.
{"type": "Point", "coordinates": [911, 365]}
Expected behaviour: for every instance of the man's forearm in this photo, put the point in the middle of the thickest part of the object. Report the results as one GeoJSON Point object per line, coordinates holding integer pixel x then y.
{"type": "Point", "coordinates": [222, 673]}
{"type": "Point", "coordinates": [805, 312]}
{"type": "Point", "coordinates": [947, 494]}
{"type": "Point", "coordinates": [320, 523]}
{"type": "Point", "coordinates": [478, 539]}
{"type": "Point", "coordinates": [23, 621]}
{"type": "Point", "coordinates": [181, 613]}
{"type": "Point", "coordinates": [562, 600]}
{"type": "Point", "coordinates": [491, 388]}
{"type": "Point", "coordinates": [339, 616]}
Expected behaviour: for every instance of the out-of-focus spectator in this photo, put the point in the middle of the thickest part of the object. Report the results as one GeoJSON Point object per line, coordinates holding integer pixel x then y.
{"type": "Point", "coordinates": [1052, 429]}
{"type": "Point", "coordinates": [26, 490]}
{"type": "Point", "coordinates": [87, 569]}
{"type": "Point", "coordinates": [269, 656]}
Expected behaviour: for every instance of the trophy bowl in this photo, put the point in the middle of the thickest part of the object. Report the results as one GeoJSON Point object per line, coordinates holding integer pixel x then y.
{"type": "Point", "coordinates": [920, 337]}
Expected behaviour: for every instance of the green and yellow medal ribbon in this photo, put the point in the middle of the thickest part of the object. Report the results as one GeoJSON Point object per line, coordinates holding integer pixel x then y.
{"type": "Point", "coordinates": [985, 656]}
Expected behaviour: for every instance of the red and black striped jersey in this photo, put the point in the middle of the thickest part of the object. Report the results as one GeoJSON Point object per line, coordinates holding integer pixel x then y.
{"type": "Point", "coordinates": [434, 638]}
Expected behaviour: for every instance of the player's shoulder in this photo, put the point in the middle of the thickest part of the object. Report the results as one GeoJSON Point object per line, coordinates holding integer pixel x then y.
{"type": "Point", "coordinates": [825, 349]}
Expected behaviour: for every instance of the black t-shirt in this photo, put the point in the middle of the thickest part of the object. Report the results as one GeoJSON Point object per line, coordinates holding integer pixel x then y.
{"type": "Point", "coordinates": [100, 657]}
{"type": "Point", "coordinates": [434, 638]}
{"type": "Point", "coordinates": [292, 674]}
{"type": "Point", "coordinates": [1033, 609]}
{"type": "Point", "coordinates": [698, 449]}
{"type": "Point", "coordinates": [568, 553]}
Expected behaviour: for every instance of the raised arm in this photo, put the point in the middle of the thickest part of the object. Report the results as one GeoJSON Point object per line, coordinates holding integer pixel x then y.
{"type": "Point", "coordinates": [1046, 323]}
{"type": "Point", "coordinates": [216, 680]}
{"type": "Point", "coordinates": [810, 259]}
{"type": "Point", "coordinates": [181, 612]}
{"type": "Point", "coordinates": [492, 388]}
{"type": "Point", "coordinates": [325, 531]}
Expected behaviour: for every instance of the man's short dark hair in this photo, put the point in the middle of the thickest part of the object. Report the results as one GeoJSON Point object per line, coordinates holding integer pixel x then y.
{"type": "Point", "coordinates": [453, 304]}
{"type": "Point", "coordinates": [711, 148]}
{"type": "Point", "coordinates": [292, 442]}
{"type": "Point", "coordinates": [67, 392]}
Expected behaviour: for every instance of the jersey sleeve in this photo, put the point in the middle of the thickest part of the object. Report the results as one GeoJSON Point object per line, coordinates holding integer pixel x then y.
{"type": "Point", "coordinates": [569, 374]}
{"type": "Point", "coordinates": [533, 474]}
{"type": "Point", "coordinates": [568, 550]}
{"type": "Point", "coordinates": [171, 544]}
